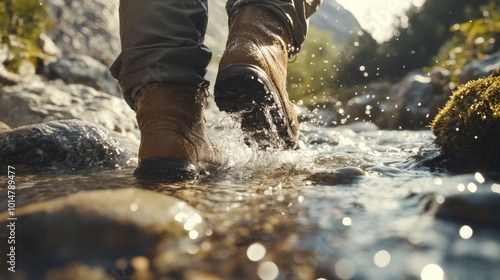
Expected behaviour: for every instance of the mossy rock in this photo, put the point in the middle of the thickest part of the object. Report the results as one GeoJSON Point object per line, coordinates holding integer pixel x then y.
{"type": "Point", "coordinates": [467, 129]}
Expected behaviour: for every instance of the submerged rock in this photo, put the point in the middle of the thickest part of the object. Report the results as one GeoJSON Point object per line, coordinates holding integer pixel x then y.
{"type": "Point", "coordinates": [415, 102]}
{"type": "Point", "coordinates": [479, 208]}
{"type": "Point", "coordinates": [99, 227]}
{"type": "Point", "coordinates": [69, 144]}
{"type": "Point", "coordinates": [345, 175]}
{"type": "Point", "coordinates": [467, 130]}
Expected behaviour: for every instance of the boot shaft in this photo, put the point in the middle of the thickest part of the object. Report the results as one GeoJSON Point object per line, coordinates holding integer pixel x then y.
{"type": "Point", "coordinates": [258, 37]}
{"type": "Point", "coordinates": [176, 103]}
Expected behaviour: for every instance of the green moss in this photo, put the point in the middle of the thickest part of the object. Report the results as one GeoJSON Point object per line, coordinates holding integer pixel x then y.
{"type": "Point", "coordinates": [467, 129]}
{"type": "Point", "coordinates": [21, 23]}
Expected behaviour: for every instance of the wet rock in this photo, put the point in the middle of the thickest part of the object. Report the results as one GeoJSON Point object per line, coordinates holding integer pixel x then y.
{"type": "Point", "coordinates": [440, 76]}
{"type": "Point", "coordinates": [100, 227]}
{"type": "Point", "coordinates": [415, 98]}
{"type": "Point", "coordinates": [84, 70]}
{"type": "Point", "coordinates": [68, 144]}
{"type": "Point", "coordinates": [39, 102]}
{"type": "Point", "coordinates": [323, 113]}
{"type": "Point", "coordinates": [479, 208]}
{"type": "Point", "coordinates": [479, 68]}
{"type": "Point", "coordinates": [345, 175]}
{"type": "Point", "coordinates": [4, 127]}
{"type": "Point", "coordinates": [368, 105]}
{"type": "Point", "coordinates": [468, 128]}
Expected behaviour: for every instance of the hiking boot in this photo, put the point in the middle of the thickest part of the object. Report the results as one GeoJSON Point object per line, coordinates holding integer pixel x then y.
{"type": "Point", "coordinates": [252, 78]}
{"type": "Point", "coordinates": [174, 144]}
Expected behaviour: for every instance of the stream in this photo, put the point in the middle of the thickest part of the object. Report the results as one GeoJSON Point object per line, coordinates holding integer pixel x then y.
{"type": "Point", "coordinates": [271, 217]}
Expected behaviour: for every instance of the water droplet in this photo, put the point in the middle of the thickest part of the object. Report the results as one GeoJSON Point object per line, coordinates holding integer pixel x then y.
{"type": "Point", "coordinates": [495, 188]}
{"type": "Point", "coordinates": [347, 221]}
{"type": "Point", "coordinates": [479, 177]}
{"type": "Point", "coordinates": [472, 187]}
{"type": "Point", "coordinates": [461, 187]}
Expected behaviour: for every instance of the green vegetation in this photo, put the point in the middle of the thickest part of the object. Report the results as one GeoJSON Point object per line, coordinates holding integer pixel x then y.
{"type": "Point", "coordinates": [418, 42]}
{"type": "Point", "coordinates": [471, 40]}
{"type": "Point", "coordinates": [325, 68]}
{"type": "Point", "coordinates": [312, 72]}
{"type": "Point", "coordinates": [467, 128]}
{"type": "Point", "coordinates": [21, 23]}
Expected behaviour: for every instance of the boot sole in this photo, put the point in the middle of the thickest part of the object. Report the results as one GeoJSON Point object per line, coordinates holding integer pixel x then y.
{"type": "Point", "coordinates": [246, 91]}
{"type": "Point", "coordinates": [165, 169]}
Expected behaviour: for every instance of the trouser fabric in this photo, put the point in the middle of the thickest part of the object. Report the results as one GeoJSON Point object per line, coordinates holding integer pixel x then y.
{"type": "Point", "coordinates": [162, 40]}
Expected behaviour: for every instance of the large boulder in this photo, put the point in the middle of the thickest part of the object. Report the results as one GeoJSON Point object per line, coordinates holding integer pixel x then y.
{"type": "Point", "coordinates": [100, 227]}
{"type": "Point", "coordinates": [414, 99]}
{"type": "Point", "coordinates": [66, 145]}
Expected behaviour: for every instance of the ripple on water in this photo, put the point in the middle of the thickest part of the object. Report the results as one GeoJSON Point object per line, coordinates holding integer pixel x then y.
{"type": "Point", "coordinates": [268, 221]}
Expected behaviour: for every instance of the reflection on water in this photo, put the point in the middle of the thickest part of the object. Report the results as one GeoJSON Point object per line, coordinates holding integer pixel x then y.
{"type": "Point", "coordinates": [268, 222]}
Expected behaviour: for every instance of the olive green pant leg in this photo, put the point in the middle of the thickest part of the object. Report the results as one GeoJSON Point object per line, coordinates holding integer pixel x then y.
{"type": "Point", "coordinates": [161, 42]}
{"type": "Point", "coordinates": [294, 13]}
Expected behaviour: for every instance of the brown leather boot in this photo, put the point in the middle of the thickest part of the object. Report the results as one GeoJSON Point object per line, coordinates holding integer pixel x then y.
{"type": "Point", "coordinates": [174, 144]}
{"type": "Point", "coordinates": [252, 77]}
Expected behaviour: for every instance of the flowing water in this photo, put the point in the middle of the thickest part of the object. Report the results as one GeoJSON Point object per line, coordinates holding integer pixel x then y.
{"type": "Point", "coordinates": [270, 220]}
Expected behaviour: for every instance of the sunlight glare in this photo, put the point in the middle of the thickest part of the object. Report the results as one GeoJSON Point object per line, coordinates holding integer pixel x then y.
{"type": "Point", "coordinates": [267, 271]}
{"type": "Point", "coordinates": [256, 252]}
{"type": "Point", "coordinates": [466, 232]}
{"type": "Point", "coordinates": [479, 177]}
{"type": "Point", "coordinates": [432, 272]}
{"type": "Point", "coordinates": [345, 269]}
{"type": "Point", "coordinates": [382, 258]}
{"type": "Point", "coordinates": [472, 187]}
{"type": "Point", "coordinates": [495, 188]}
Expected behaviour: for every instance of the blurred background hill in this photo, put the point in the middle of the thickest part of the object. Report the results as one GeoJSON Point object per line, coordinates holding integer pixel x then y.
{"type": "Point", "coordinates": [358, 59]}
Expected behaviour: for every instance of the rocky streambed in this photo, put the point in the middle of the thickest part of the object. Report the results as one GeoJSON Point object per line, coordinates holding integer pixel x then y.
{"type": "Point", "coordinates": [366, 196]}
{"type": "Point", "coordinates": [354, 202]}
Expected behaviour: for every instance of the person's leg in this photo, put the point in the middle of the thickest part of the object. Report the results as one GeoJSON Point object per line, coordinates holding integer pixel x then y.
{"type": "Point", "coordinates": [252, 72]}
{"type": "Point", "coordinates": [162, 41]}
{"type": "Point", "coordinates": [161, 72]}
{"type": "Point", "coordinates": [293, 13]}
